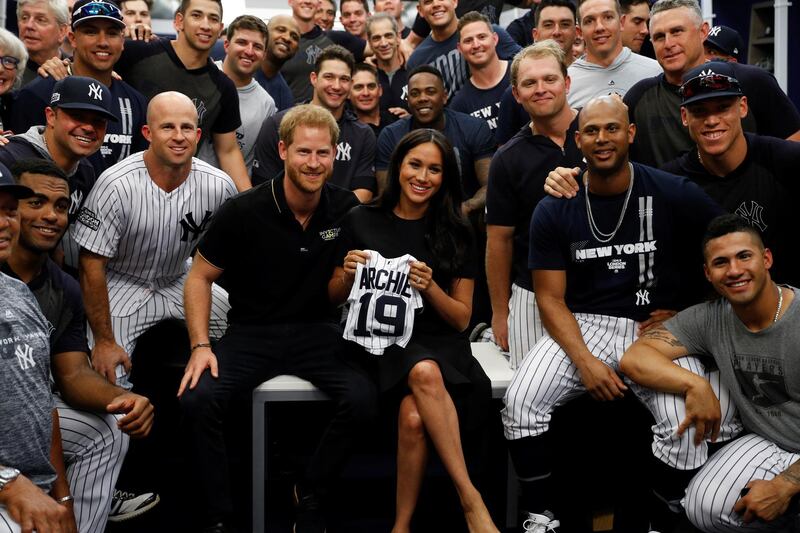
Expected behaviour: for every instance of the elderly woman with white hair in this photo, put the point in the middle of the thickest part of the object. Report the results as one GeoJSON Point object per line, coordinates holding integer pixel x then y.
{"type": "Point", "coordinates": [13, 58]}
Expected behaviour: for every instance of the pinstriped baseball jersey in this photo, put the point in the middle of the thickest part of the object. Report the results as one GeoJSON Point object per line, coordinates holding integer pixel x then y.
{"type": "Point", "coordinates": [147, 233]}
{"type": "Point", "coordinates": [382, 303]}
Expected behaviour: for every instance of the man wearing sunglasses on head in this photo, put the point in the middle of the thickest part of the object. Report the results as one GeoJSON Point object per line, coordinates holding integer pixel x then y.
{"type": "Point", "coordinates": [677, 31]}
{"type": "Point", "coordinates": [748, 174]}
{"type": "Point", "coordinates": [97, 37]}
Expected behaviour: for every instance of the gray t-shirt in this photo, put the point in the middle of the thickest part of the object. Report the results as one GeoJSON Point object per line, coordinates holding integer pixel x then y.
{"type": "Point", "coordinates": [590, 80]}
{"type": "Point", "coordinates": [27, 404]}
{"type": "Point", "coordinates": [255, 104]}
{"type": "Point", "coordinates": [762, 370]}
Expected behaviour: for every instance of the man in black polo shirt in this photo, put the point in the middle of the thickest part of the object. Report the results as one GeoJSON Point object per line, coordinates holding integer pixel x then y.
{"type": "Point", "coordinates": [385, 43]}
{"type": "Point", "coordinates": [279, 317]}
{"type": "Point", "coordinates": [540, 83]}
{"type": "Point", "coordinates": [748, 174]}
{"type": "Point", "coordinates": [677, 31]}
{"type": "Point", "coordinates": [355, 152]}
{"type": "Point", "coordinates": [365, 98]}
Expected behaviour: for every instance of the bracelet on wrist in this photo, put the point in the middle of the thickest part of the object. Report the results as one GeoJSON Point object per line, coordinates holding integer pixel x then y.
{"type": "Point", "coordinates": [65, 500]}
{"type": "Point", "coordinates": [201, 345]}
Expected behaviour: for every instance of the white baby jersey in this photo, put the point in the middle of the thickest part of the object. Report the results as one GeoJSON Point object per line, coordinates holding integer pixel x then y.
{"type": "Point", "coordinates": [382, 303]}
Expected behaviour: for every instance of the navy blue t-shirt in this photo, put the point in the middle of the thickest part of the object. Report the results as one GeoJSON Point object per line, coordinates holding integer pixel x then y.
{"type": "Point", "coordinates": [511, 117]}
{"type": "Point", "coordinates": [469, 136]}
{"type": "Point", "coordinates": [516, 185]}
{"type": "Point", "coordinates": [123, 137]}
{"type": "Point", "coordinates": [762, 190]}
{"type": "Point", "coordinates": [654, 260]}
{"type": "Point", "coordinates": [445, 56]}
{"type": "Point", "coordinates": [353, 169]}
{"type": "Point", "coordinates": [277, 88]}
{"type": "Point", "coordinates": [482, 103]}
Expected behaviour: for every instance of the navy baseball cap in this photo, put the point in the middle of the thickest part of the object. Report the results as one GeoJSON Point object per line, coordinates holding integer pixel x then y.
{"type": "Point", "coordinates": [713, 79]}
{"type": "Point", "coordinates": [85, 10]}
{"type": "Point", "coordinates": [7, 184]}
{"type": "Point", "coordinates": [726, 40]}
{"type": "Point", "coordinates": [80, 92]}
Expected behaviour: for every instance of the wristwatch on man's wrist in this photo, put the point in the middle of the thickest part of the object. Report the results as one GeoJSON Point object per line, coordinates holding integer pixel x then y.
{"type": "Point", "coordinates": [7, 475]}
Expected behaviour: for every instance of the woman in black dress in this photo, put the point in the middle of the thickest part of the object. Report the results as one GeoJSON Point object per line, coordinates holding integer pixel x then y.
{"type": "Point", "coordinates": [419, 214]}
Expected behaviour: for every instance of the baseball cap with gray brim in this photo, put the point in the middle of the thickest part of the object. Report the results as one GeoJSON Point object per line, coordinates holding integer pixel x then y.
{"type": "Point", "coordinates": [726, 40]}
{"type": "Point", "coordinates": [86, 10]}
{"type": "Point", "coordinates": [7, 184]}
{"type": "Point", "coordinates": [713, 79]}
{"type": "Point", "coordinates": [80, 92]}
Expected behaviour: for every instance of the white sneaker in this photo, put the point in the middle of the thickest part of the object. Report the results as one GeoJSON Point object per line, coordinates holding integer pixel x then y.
{"type": "Point", "coordinates": [126, 505]}
{"type": "Point", "coordinates": [541, 523]}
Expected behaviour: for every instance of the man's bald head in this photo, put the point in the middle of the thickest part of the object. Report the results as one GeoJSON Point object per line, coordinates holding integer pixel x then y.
{"type": "Point", "coordinates": [610, 105]}
{"type": "Point", "coordinates": [285, 20]}
{"type": "Point", "coordinates": [604, 135]}
{"type": "Point", "coordinates": [169, 102]}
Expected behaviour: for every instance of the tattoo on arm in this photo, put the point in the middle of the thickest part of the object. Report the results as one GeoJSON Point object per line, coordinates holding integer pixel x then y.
{"type": "Point", "coordinates": [660, 333]}
{"type": "Point", "coordinates": [792, 473]}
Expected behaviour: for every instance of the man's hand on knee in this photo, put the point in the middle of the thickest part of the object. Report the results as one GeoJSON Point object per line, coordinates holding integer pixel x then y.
{"type": "Point", "coordinates": [106, 355]}
{"type": "Point", "coordinates": [201, 359]}
{"type": "Point", "coordinates": [600, 380]}
{"type": "Point", "coordinates": [33, 510]}
{"type": "Point", "coordinates": [138, 411]}
{"type": "Point", "coordinates": [765, 500]}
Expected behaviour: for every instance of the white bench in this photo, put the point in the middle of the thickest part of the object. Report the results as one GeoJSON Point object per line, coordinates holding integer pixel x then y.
{"type": "Point", "coordinates": [294, 389]}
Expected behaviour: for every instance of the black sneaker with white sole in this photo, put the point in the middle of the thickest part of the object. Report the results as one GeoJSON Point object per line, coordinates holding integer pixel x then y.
{"type": "Point", "coordinates": [127, 505]}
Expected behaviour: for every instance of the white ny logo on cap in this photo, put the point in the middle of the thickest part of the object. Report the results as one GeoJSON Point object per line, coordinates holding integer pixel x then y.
{"type": "Point", "coordinates": [96, 91]}
{"type": "Point", "coordinates": [708, 72]}
{"type": "Point", "coordinates": [713, 32]}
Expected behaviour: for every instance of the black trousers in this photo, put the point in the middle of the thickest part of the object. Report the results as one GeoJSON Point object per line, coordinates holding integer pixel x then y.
{"type": "Point", "coordinates": [250, 355]}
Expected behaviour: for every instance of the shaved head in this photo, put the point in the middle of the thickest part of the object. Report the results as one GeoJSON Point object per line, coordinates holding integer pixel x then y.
{"type": "Point", "coordinates": [610, 106]}
{"type": "Point", "coordinates": [162, 103]}
{"type": "Point", "coordinates": [286, 20]}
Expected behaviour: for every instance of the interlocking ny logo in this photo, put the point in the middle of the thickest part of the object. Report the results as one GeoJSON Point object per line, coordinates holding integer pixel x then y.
{"type": "Point", "coordinates": [24, 355]}
{"type": "Point", "coordinates": [343, 151]}
{"type": "Point", "coordinates": [713, 32]}
{"type": "Point", "coordinates": [643, 297]}
{"type": "Point", "coordinates": [753, 214]}
{"type": "Point", "coordinates": [190, 226]}
{"type": "Point", "coordinates": [96, 91]}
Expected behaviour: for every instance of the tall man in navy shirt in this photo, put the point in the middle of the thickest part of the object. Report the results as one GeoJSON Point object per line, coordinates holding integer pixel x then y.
{"type": "Point", "coordinates": [480, 95]}
{"type": "Point", "coordinates": [97, 38]}
{"type": "Point", "coordinates": [540, 84]}
{"type": "Point", "coordinates": [470, 136]}
{"type": "Point", "coordinates": [609, 264]}
{"type": "Point", "coordinates": [439, 49]}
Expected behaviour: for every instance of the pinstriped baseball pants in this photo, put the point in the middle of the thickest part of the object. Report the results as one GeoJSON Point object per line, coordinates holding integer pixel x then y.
{"type": "Point", "coordinates": [524, 324]}
{"type": "Point", "coordinates": [715, 489]}
{"type": "Point", "coordinates": [547, 378]}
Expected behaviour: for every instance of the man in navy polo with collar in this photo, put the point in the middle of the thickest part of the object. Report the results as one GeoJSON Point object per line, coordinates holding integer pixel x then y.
{"type": "Point", "coordinates": [355, 152]}
{"type": "Point", "coordinates": [279, 318]}
{"type": "Point", "coordinates": [76, 121]}
{"type": "Point", "coordinates": [97, 36]}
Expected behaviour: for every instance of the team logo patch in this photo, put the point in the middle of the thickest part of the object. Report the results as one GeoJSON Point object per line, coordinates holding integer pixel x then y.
{"type": "Point", "coordinates": [24, 355]}
{"type": "Point", "coordinates": [88, 218]}
{"type": "Point", "coordinates": [616, 265]}
{"type": "Point", "coordinates": [193, 229]}
{"type": "Point", "coordinates": [201, 109]}
{"type": "Point", "coordinates": [55, 98]}
{"type": "Point", "coordinates": [329, 234]}
{"type": "Point", "coordinates": [753, 214]}
{"type": "Point", "coordinates": [643, 297]}
{"type": "Point", "coordinates": [96, 91]}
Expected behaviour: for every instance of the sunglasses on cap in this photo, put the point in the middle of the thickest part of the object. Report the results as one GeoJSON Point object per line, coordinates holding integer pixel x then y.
{"type": "Point", "coordinates": [9, 62]}
{"type": "Point", "coordinates": [709, 83]}
{"type": "Point", "coordinates": [93, 9]}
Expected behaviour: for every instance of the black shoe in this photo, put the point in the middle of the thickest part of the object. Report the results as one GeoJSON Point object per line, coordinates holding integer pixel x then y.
{"type": "Point", "coordinates": [308, 512]}
{"type": "Point", "coordinates": [127, 505]}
